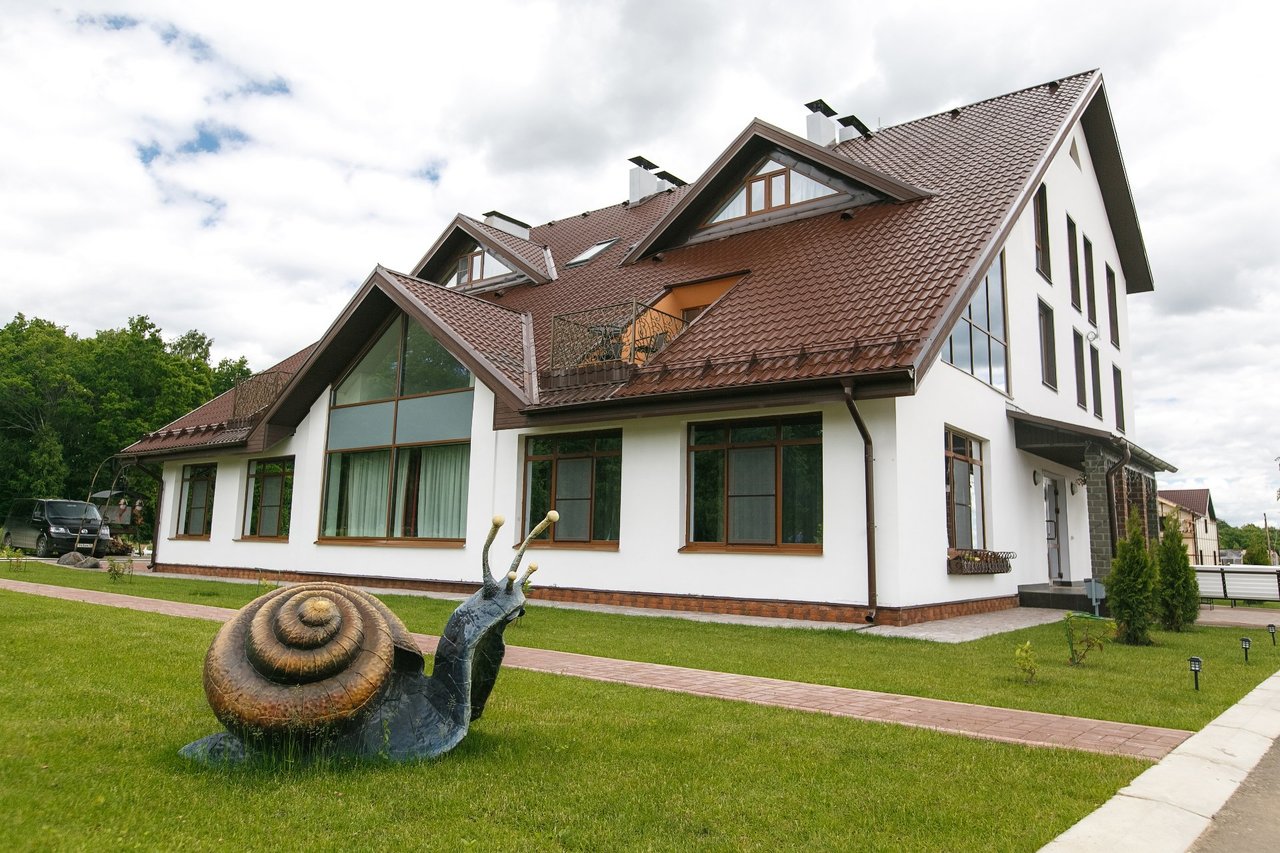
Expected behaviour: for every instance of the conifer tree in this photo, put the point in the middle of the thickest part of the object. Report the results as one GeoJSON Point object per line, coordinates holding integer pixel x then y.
{"type": "Point", "coordinates": [1130, 590]}
{"type": "Point", "coordinates": [1177, 591]}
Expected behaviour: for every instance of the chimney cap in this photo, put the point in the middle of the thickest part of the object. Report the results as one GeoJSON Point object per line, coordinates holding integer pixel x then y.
{"type": "Point", "coordinates": [510, 219]}
{"type": "Point", "coordinates": [821, 106]}
{"type": "Point", "coordinates": [647, 165]}
{"type": "Point", "coordinates": [672, 179]}
{"type": "Point", "coordinates": [853, 121]}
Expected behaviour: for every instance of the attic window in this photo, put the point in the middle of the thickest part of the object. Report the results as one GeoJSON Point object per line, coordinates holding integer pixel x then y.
{"type": "Point", "coordinates": [474, 267]}
{"type": "Point", "coordinates": [591, 252]}
{"type": "Point", "coordinates": [1075, 154]}
{"type": "Point", "coordinates": [772, 186]}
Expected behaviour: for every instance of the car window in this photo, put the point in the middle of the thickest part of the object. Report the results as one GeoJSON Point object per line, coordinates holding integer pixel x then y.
{"type": "Point", "coordinates": [72, 511]}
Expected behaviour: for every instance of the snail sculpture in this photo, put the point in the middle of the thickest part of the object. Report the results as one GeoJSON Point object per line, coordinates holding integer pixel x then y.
{"type": "Point", "coordinates": [323, 665]}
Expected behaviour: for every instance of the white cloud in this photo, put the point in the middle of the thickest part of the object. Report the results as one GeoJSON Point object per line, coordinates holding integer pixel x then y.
{"type": "Point", "coordinates": [532, 108]}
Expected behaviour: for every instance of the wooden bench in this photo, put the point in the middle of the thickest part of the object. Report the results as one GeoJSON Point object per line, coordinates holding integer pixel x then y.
{"type": "Point", "coordinates": [1238, 583]}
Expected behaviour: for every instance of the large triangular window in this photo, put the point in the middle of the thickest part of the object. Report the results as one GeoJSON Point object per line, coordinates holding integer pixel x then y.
{"type": "Point", "coordinates": [770, 187]}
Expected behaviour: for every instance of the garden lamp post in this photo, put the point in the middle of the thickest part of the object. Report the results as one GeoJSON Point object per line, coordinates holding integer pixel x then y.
{"type": "Point", "coordinates": [1196, 663]}
{"type": "Point", "coordinates": [1245, 643]}
{"type": "Point", "coordinates": [1271, 629]}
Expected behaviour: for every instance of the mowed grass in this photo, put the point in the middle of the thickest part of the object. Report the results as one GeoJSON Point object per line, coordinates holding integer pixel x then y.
{"type": "Point", "coordinates": [96, 701]}
{"type": "Point", "coordinates": [1147, 685]}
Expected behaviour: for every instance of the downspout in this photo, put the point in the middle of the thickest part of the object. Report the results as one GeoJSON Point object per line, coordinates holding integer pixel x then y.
{"type": "Point", "coordinates": [869, 481]}
{"type": "Point", "coordinates": [1111, 495]}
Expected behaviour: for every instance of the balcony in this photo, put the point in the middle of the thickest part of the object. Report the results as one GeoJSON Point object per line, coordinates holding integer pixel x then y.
{"type": "Point", "coordinates": [605, 344]}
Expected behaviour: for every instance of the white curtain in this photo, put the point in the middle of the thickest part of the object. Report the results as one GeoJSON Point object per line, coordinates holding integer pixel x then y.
{"type": "Point", "coordinates": [431, 491]}
{"type": "Point", "coordinates": [356, 498]}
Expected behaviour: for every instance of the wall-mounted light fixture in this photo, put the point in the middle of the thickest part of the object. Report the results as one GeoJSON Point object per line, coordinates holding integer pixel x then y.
{"type": "Point", "coordinates": [1036, 477]}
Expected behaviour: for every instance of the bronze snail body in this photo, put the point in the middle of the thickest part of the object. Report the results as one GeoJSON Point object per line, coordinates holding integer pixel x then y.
{"type": "Point", "coordinates": [327, 666]}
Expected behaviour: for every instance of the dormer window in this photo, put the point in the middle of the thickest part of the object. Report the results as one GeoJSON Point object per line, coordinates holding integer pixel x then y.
{"type": "Point", "coordinates": [773, 186]}
{"type": "Point", "coordinates": [475, 267]}
{"type": "Point", "coordinates": [591, 252]}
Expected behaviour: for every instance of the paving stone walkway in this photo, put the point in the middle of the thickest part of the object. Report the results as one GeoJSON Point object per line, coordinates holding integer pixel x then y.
{"type": "Point", "coordinates": [980, 721]}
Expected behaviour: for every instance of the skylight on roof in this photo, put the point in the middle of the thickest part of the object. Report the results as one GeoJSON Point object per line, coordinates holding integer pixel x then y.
{"type": "Point", "coordinates": [591, 252]}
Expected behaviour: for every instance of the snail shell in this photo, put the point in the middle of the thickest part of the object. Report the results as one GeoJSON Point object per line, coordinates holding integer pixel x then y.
{"type": "Point", "coordinates": [306, 660]}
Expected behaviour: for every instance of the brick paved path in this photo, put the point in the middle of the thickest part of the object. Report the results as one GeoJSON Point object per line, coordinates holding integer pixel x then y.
{"type": "Point", "coordinates": [980, 721]}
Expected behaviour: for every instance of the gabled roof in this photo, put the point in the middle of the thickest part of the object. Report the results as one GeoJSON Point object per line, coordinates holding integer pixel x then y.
{"type": "Point", "coordinates": [532, 259]}
{"type": "Point", "coordinates": [226, 420]}
{"type": "Point", "coordinates": [493, 342]}
{"type": "Point", "coordinates": [759, 140]}
{"type": "Point", "coordinates": [1196, 500]}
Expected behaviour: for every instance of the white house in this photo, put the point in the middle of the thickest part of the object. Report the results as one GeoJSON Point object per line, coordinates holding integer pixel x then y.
{"type": "Point", "coordinates": [858, 375]}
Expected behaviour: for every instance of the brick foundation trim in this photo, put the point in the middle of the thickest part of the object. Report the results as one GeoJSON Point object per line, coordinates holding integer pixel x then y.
{"type": "Point", "coordinates": [782, 609]}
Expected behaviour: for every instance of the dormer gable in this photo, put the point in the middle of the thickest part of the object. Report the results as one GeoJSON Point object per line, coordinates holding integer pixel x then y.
{"type": "Point", "coordinates": [471, 254]}
{"type": "Point", "coordinates": [765, 176]}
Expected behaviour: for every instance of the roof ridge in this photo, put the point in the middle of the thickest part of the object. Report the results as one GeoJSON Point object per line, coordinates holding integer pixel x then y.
{"type": "Point", "coordinates": [454, 291]}
{"type": "Point", "coordinates": [1057, 81]}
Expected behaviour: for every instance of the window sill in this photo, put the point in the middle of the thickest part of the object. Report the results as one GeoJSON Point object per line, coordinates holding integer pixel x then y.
{"type": "Point", "coordinates": [542, 545]}
{"type": "Point", "coordinates": [717, 548]}
{"type": "Point", "coordinates": [376, 542]}
{"type": "Point", "coordinates": [189, 538]}
{"type": "Point", "coordinates": [261, 539]}
{"type": "Point", "coordinates": [1044, 275]}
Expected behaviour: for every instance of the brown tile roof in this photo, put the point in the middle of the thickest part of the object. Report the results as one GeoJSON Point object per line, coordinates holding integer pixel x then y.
{"type": "Point", "coordinates": [221, 422]}
{"type": "Point", "coordinates": [532, 254]}
{"type": "Point", "coordinates": [1196, 500]}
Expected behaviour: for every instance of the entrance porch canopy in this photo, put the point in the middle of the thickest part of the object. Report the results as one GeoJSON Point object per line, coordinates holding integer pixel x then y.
{"type": "Point", "coordinates": [1065, 443]}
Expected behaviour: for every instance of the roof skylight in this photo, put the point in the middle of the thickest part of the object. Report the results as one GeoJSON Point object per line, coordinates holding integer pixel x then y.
{"type": "Point", "coordinates": [591, 252]}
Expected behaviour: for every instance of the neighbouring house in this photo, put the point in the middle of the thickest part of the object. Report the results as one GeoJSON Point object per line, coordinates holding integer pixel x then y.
{"type": "Point", "coordinates": [852, 375]}
{"type": "Point", "coordinates": [1196, 519]}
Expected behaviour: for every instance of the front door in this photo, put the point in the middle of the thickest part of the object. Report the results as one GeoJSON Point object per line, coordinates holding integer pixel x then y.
{"type": "Point", "coordinates": [1058, 572]}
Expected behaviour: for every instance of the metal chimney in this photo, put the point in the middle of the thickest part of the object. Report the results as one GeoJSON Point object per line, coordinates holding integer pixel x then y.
{"type": "Point", "coordinates": [643, 182]}
{"type": "Point", "coordinates": [819, 128]}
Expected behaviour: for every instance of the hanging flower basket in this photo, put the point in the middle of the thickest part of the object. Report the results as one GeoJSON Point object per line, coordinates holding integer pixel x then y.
{"type": "Point", "coordinates": [977, 561]}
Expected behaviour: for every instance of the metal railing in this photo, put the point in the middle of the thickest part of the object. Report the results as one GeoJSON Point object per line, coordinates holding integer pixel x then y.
{"type": "Point", "coordinates": [626, 332]}
{"type": "Point", "coordinates": [254, 393]}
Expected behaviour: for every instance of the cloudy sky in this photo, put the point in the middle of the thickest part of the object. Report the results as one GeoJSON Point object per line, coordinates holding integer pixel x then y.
{"type": "Point", "coordinates": [239, 167]}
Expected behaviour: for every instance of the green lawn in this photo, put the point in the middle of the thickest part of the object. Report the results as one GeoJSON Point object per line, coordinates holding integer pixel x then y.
{"type": "Point", "coordinates": [96, 701]}
{"type": "Point", "coordinates": [1150, 685]}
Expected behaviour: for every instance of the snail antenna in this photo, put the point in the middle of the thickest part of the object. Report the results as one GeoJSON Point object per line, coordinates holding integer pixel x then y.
{"type": "Point", "coordinates": [489, 582]}
{"type": "Point", "coordinates": [552, 517]}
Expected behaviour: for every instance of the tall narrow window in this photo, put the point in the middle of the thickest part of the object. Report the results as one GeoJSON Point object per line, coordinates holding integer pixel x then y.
{"type": "Point", "coordinates": [1041, 208]}
{"type": "Point", "coordinates": [1096, 371]}
{"type": "Point", "coordinates": [1048, 348]}
{"type": "Point", "coordinates": [1073, 262]}
{"type": "Point", "coordinates": [756, 483]}
{"type": "Point", "coordinates": [1113, 308]}
{"type": "Point", "coordinates": [1082, 394]}
{"type": "Point", "coordinates": [579, 475]}
{"type": "Point", "coordinates": [965, 509]}
{"type": "Point", "coordinates": [977, 343]}
{"type": "Point", "coordinates": [1118, 386]}
{"type": "Point", "coordinates": [1090, 290]}
{"type": "Point", "coordinates": [197, 499]}
{"type": "Point", "coordinates": [268, 498]}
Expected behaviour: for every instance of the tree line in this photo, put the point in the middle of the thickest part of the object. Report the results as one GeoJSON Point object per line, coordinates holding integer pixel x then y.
{"type": "Point", "coordinates": [1255, 541]}
{"type": "Point", "coordinates": [69, 403]}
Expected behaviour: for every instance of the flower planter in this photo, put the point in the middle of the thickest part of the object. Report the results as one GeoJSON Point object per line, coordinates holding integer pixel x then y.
{"type": "Point", "coordinates": [978, 562]}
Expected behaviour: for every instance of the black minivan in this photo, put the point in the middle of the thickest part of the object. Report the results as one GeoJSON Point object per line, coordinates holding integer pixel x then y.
{"type": "Point", "coordinates": [51, 527]}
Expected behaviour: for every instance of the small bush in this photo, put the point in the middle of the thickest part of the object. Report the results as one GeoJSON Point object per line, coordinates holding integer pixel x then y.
{"type": "Point", "coordinates": [1025, 659]}
{"type": "Point", "coordinates": [1177, 592]}
{"type": "Point", "coordinates": [1130, 588]}
{"type": "Point", "coordinates": [14, 559]}
{"type": "Point", "coordinates": [119, 570]}
{"type": "Point", "coordinates": [1086, 633]}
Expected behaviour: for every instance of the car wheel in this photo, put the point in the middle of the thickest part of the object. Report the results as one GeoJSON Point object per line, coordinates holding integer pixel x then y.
{"type": "Point", "coordinates": [42, 546]}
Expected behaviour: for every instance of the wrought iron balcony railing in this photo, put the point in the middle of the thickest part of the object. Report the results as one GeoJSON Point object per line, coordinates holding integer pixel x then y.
{"type": "Point", "coordinates": [624, 333]}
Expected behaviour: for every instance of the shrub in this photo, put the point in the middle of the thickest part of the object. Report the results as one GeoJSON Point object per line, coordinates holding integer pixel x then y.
{"type": "Point", "coordinates": [1257, 554]}
{"type": "Point", "coordinates": [1086, 633]}
{"type": "Point", "coordinates": [1130, 587]}
{"type": "Point", "coordinates": [1025, 659]}
{"type": "Point", "coordinates": [1177, 592]}
{"type": "Point", "coordinates": [119, 570]}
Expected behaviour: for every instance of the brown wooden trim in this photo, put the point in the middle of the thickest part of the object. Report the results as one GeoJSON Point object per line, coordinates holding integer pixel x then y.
{"type": "Point", "coordinates": [594, 545]}
{"type": "Point", "coordinates": [261, 539]}
{"type": "Point", "coordinates": [380, 542]}
{"type": "Point", "coordinates": [721, 548]}
{"type": "Point", "coordinates": [189, 537]}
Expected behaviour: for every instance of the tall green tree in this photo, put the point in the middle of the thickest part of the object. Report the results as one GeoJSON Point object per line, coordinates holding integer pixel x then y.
{"type": "Point", "coordinates": [1177, 592]}
{"type": "Point", "coordinates": [1130, 591]}
{"type": "Point", "coordinates": [1257, 553]}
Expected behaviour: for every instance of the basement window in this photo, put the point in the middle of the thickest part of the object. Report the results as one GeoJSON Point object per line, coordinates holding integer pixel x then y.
{"type": "Point", "coordinates": [591, 252]}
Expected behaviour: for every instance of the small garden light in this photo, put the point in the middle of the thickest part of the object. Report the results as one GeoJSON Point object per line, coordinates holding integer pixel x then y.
{"type": "Point", "coordinates": [1271, 629]}
{"type": "Point", "coordinates": [1196, 663]}
{"type": "Point", "coordinates": [1245, 643]}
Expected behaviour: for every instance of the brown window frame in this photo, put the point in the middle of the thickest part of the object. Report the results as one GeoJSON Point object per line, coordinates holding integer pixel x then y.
{"type": "Point", "coordinates": [974, 459]}
{"type": "Point", "coordinates": [1113, 307]}
{"type": "Point", "coordinates": [1082, 389]}
{"type": "Point", "coordinates": [1073, 262]}
{"type": "Point", "coordinates": [1048, 347]}
{"type": "Point", "coordinates": [1090, 285]}
{"type": "Point", "coordinates": [770, 206]}
{"type": "Point", "coordinates": [548, 538]}
{"type": "Point", "coordinates": [1040, 209]}
{"type": "Point", "coordinates": [974, 329]}
{"type": "Point", "coordinates": [1095, 370]}
{"type": "Point", "coordinates": [189, 476]}
{"type": "Point", "coordinates": [1117, 387]}
{"type": "Point", "coordinates": [723, 545]}
{"type": "Point", "coordinates": [253, 508]}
